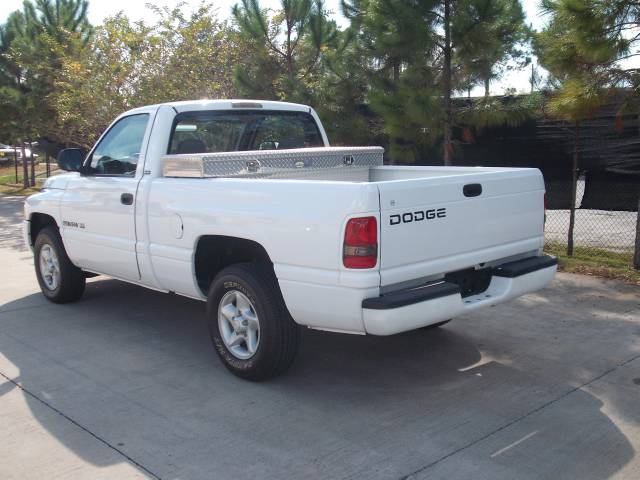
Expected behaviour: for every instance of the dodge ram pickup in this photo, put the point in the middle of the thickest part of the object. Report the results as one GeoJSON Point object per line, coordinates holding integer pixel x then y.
{"type": "Point", "coordinates": [244, 205]}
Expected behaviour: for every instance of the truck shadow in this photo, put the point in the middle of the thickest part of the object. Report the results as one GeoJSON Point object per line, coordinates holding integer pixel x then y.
{"type": "Point", "coordinates": [136, 368]}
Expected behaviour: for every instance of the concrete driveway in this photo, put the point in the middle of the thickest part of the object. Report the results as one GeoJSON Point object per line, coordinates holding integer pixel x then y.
{"type": "Point", "coordinates": [124, 384]}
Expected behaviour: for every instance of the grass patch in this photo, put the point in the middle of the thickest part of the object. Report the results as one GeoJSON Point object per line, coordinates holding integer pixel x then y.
{"type": "Point", "coordinates": [9, 185]}
{"type": "Point", "coordinates": [18, 189]}
{"type": "Point", "coordinates": [595, 261]}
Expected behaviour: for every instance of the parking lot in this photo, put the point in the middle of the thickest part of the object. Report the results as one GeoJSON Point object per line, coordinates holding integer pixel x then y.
{"type": "Point", "coordinates": [125, 384]}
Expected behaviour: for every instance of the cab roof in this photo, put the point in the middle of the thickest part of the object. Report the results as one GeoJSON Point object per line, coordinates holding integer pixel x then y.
{"type": "Point", "coordinates": [239, 104]}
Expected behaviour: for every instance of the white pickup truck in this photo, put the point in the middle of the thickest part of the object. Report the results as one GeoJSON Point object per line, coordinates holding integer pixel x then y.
{"type": "Point", "coordinates": [244, 205]}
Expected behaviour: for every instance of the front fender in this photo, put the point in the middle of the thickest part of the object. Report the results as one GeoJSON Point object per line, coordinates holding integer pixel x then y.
{"type": "Point", "coordinates": [46, 202]}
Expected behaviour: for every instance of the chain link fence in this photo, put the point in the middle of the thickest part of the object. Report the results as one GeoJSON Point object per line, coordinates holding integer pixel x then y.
{"type": "Point", "coordinates": [597, 233]}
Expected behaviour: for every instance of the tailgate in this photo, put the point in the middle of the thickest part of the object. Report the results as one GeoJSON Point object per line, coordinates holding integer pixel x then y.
{"type": "Point", "coordinates": [431, 226]}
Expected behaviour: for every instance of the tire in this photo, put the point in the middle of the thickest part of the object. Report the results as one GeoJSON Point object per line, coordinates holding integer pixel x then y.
{"type": "Point", "coordinates": [60, 280]}
{"type": "Point", "coordinates": [435, 325]}
{"type": "Point", "coordinates": [249, 353]}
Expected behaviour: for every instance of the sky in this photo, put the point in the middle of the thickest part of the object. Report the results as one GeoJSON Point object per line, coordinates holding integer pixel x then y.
{"type": "Point", "coordinates": [136, 10]}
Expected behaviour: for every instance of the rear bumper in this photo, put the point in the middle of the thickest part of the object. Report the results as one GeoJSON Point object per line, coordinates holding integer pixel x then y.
{"type": "Point", "coordinates": [410, 309]}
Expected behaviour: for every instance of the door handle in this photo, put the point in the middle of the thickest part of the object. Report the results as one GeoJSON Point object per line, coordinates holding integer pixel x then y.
{"type": "Point", "coordinates": [472, 190]}
{"type": "Point", "coordinates": [126, 199]}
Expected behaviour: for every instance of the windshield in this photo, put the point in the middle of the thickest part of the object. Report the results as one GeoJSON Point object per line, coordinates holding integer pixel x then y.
{"type": "Point", "coordinates": [230, 131]}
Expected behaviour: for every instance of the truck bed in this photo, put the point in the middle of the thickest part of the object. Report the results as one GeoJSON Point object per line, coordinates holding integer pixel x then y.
{"type": "Point", "coordinates": [433, 220]}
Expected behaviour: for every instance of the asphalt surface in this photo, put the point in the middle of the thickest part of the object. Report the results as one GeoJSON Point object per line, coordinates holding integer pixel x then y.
{"type": "Point", "coordinates": [124, 384]}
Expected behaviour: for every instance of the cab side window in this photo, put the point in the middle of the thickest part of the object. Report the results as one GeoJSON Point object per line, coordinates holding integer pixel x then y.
{"type": "Point", "coordinates": [119, 150]}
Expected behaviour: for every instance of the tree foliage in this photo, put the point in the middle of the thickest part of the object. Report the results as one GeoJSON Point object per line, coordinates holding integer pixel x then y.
{"type": "Point", "coordinates": [587, 48]}
{"type": "Point", "coordinates": [582, 47]}
{"type": "Point", "coordinates": [33, 44]}
{"type": "Point", "coordinates": [125, 64]}
{"type": "Point", "coordinates": [389, 77]}
{"type": "Point", "coordinates": [56, 18]}
{"type": "Point", "coordinates": [420, 53]}
{"type": "Point", "coordinates": [286, 47]}
{"type": "Point", "coordinates": [340, 94]}
{"type": "Point", "coordinates": [489, 34]}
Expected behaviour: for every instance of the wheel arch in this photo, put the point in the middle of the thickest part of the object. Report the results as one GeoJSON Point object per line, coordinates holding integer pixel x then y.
{"type": "Point", "coordinates": [38, 221]}
{"type": "Point", "coordinates": [212, 253]}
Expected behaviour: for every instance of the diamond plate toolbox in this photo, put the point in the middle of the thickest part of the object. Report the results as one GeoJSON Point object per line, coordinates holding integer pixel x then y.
{"type": "Point", "coordinates": [298, 163]}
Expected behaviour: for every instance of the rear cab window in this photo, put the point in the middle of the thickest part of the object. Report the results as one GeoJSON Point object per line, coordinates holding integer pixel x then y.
{"type": "Point", "coordinates": [232, 131]}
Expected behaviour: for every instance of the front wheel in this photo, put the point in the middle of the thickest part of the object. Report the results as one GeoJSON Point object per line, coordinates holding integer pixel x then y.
{"type": "Point", "coordinates": [251, 329]}
{"type": "Point", "coordinates": [60, 280]}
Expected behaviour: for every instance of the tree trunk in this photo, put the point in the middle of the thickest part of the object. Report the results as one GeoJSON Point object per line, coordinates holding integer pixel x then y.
{"type": "Point", "coordinates": [396, 79]}
{"type": "Point", "coordinates": [487, 83]}
{"type": "Point", "coordinates": [25, 166]}
{"type": "Point", "coordinates": [636, 254]}
{"type": "Point", "coordinates": [289, 60]}
{"type": "Point", "coordinates": [47, 162]}
{"type": "Point", "coordinates": [533, 77]}
{"type": "Point", "coordinates": [33, 164]}
{"type": "Point", "coordinates": [574, 188]}
{"type": "Point", "coordinates": [446, 83]}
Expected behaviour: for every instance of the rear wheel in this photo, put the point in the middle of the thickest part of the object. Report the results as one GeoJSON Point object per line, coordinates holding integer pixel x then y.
{"type": "Point", "coordinates": [251, 329]}
{"type": "Point", "coordinates": [60, 280]}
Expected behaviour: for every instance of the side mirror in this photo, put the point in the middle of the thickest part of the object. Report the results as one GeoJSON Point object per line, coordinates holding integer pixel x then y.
{"type": "Point", "coordinates": [70, 159]}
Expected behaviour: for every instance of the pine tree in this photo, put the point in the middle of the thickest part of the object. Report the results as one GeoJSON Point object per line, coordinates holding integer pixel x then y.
{"type": "Point", "coordinates": [577, 71]}
{"type": "Point", "coordinates": [285, 47]}
{"type": "Point", "coordinates": [422, 51]}
{"type": "Point", "coordinates": [14, 120]}
{"type": "Point", "coordinates": [340, 94]}
{"type": "Point", "coordinates": [57, 17]}
{"type": "Point", "coordinates": [32, 44]}
{"type": "Point", "coordinates": [398, 51]}
{"type": "Point", "coordinates": [484, 52]}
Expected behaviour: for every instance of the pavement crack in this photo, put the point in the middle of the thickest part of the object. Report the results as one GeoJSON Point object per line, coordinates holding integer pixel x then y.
{"type": "Point", "coordinates": [518, 419]}
{"type": "Point", "coordinates": [81, 427]}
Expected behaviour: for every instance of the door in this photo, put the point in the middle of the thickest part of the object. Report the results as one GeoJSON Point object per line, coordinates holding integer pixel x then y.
{"type": "Point", "coordinates": [98, 207]}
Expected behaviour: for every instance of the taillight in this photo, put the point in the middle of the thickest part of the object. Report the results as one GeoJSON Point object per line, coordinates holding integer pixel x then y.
{"type": "Point", "coordinates": [360, 243]}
